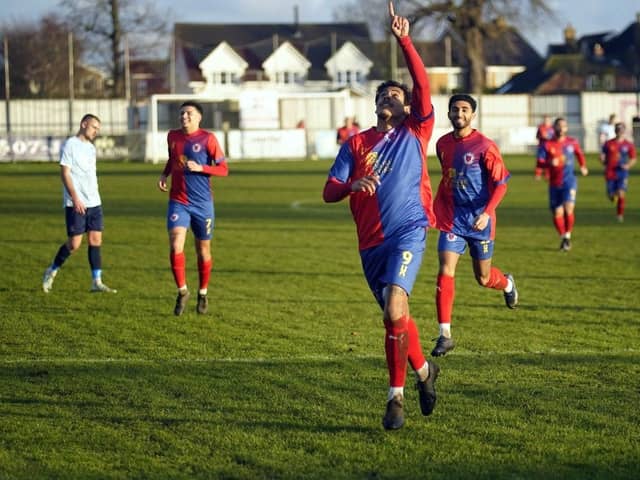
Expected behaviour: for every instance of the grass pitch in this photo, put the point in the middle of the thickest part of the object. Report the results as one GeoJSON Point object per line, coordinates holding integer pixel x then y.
{"type": "Point", "coordinates": [286, 378]}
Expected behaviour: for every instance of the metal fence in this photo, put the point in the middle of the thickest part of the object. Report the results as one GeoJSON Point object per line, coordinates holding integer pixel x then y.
{"type": "Point", "coordinates": [37, 127]}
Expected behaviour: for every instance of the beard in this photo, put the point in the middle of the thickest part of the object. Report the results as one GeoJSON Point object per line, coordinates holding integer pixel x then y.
{"type": "Point", "coordinates": [459, 123]}
{"type": "Point", "coordinates": [384, 114]}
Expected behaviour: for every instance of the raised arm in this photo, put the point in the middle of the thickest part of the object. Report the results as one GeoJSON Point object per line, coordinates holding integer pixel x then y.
{"type": "Point", "coordinates": [421, 95]}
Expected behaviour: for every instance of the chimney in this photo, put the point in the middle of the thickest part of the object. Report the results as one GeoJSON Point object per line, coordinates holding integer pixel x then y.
{"type": "Point", "coordinates": [296, 22]}
{"type": "Point", "coordinates": [569, 35]}
{"type": "Point", "coordinates": [598, 51]}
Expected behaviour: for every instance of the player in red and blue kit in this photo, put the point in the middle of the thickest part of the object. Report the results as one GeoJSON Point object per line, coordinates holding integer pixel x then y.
{"type": "Point", "coordinates": [618, 156]}
{"type": "Point", "coordinates": [383, 171]}
{"type": "Point", "coordinates": [194, 156]}
{"type": "Point", "coordinates": [543, 133]}
{"type": "Point", "coordinates": [474, 182]}
{"type": "Point", "coordinates": [559, 155]}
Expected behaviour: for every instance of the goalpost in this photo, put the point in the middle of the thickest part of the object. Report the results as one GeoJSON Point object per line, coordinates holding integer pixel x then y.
{"type": "Point", "coordinates": [218, 116]}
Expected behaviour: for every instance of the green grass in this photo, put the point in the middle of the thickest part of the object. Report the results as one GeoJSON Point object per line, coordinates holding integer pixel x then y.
{"type": "Point", "coordinates": [286, 377]}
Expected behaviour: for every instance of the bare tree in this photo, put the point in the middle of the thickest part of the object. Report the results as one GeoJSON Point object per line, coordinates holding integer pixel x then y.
{"type": "Point", "coordinates": [104, 24]}
{"type": "Point", "coordinates": [472, 21]}
{"type": "Point", "coordinates": [39, 58]}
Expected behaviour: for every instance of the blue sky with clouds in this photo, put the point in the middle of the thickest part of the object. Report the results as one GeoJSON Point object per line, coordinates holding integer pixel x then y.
{"type": "Point", "coordinates": [587, 16]}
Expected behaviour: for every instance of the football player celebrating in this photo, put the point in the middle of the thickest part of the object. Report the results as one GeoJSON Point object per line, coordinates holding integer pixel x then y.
{"type": "Point", "coordinates": [474, 181]}
{"type": "Point", "coordinates": [383, 171]}
{"type": "Point", "coordinates": [559, 155]}
{"type": "Point", "coordinates": [618, 156]}
{"type": "Point", "coordinates": [194, 156]}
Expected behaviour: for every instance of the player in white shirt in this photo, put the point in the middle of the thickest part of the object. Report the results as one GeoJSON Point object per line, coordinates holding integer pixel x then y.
{"type": "Point", "coordinates": [82, 204]}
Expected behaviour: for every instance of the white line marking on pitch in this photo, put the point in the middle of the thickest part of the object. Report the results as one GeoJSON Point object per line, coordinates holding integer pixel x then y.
{"type": "Point", "coordinates": [319, 358]}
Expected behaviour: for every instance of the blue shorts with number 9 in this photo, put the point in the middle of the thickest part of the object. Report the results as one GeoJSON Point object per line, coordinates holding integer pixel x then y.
{"type": "Point", "coordinates": [395, 261]}
{"type": "Point", "coordinates": [199, 218]}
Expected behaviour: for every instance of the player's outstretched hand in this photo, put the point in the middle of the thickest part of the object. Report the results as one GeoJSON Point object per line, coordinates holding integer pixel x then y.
{"type": "Point", "coordinates": [399, 25]}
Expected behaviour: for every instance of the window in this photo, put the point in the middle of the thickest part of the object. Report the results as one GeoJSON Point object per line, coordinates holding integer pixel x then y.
{"type": "Point", "coordinates": [288, 77]}
{"type": "Point", "coordinates": [592, 82]}
{"type": "Point", "coordinates": [224, 78]}
{"type": "Point", "coordinates": [142, 89]}
{"type": "Point", "coordinates": [454, 81]}
{"type": "Point", "coordinates": [609, 82]}
{"type": "Point", "coordinates": [349, 77]}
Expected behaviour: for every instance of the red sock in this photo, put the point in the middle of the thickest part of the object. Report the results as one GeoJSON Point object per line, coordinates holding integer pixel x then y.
{"type": "Point", "coordinates": [445, 293]}
{"type": "Point", "coordinates": [204, 272]}
{"type": "Point", "coordinates": [570, 219]}
{"type": "Point", "coordinates": [620, 208]}
{"type": "Point", "coordinates": [395, 347]}
{"type": "Point", "coordinates": [178, 269]}
{"type": "Point", "coordinates": [415, 355]}
{"type": "Point", "coordinates": [560, 224]}
{"type": "Point", "coordinates": [497, 279]}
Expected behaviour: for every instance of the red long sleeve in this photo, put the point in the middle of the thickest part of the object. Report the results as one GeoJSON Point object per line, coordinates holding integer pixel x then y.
{"type": "Point", "coordinates": [334, 191]}
{"type": "Point", "coordinates": [220, 170]}
{"type": "Point", "coordinates": [421, 95]}
{"type": "Point", "coordinates": [496, 197]}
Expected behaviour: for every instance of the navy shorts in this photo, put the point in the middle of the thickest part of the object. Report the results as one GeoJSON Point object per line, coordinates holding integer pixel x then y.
{"type": "Point", "coordinates": [478, 249]}
{"type": "Point", "coordinates": [396, 261]}
{"type": "Point", "coordinates": [558, 196]}
{"type": "Point", "coordinates": [199, 218]}
{"type": "Point", "coordinates": [91, 221]}
{"type": "Point", "coordinates": [619, 183]}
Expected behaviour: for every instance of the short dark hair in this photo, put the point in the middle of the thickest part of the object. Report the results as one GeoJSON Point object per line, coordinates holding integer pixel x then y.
{"type": "Point", "coordinates": [463, 97]}
{"type": "Point", "coordinates": [392, 83]}
{"type": "Point", "coordinates": [192, 103]}
{"type": "Point", "coordinates": [89, 116]}
{"type": "Point", "coordinates": [558, 120]}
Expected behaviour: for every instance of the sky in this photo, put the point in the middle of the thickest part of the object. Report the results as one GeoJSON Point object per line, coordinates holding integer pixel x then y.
{"type": "Point", "coordinates": [586, 16]}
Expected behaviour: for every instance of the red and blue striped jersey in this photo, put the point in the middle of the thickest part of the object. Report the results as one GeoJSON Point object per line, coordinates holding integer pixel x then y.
{"type": "Point", "coordinates": [559, 156]}
{"type": "Point", "coordinates": [616, 154]}
{"type": "Point", "coordinates": [472, 168]}
{"type": "Point", "coordinates": [544, 132]}
{"type": "Point", "coordinates": [399, 157]}
{"type": "Point", "coordinates": [201, 146]}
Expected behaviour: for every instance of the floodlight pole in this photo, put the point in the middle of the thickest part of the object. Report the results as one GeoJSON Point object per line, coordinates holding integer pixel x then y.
{"type": "Point", "coordinates": [7, 97]}
{"type": "Point", "coordinates": [71, 78]}
{"type": "Point", "coordinates": [127, 71]}
{"type": "Point", "coordinates": [393, 58]}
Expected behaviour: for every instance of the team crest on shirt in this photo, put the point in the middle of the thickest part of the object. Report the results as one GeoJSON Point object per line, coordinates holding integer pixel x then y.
{"type": "Point", "coordinates": [196, 147]}
{"type": "Point", "coordinates": [468, 158]}
{"type": "Point", "coordinates": [371, 158]}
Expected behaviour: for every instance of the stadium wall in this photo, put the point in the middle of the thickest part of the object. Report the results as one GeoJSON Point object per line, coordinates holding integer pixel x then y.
{"type": "Point", "coordinates": [38, 127]}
